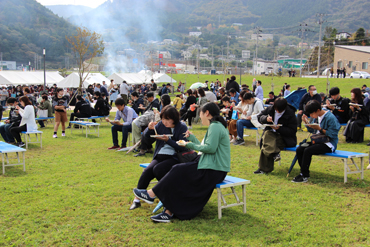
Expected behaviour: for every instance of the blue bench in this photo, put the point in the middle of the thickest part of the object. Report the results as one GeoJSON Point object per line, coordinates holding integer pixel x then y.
{"type": "Point", "coordinates": [45, 119]}
{"type": "Point", "coordinates": [4, 118]}
{"type": "Point", "coordinates": [87, 125]}
{"type": "Point", "coordinates": [229, 182]}
{"type": "Point", "coordinates": [345, 156]}
{"type": "Point", "coordinates": [94, 117]}
{"type": "Point", "coordinates": [27, 137]}
{"type": "Point", "coordinates": [6, 148]}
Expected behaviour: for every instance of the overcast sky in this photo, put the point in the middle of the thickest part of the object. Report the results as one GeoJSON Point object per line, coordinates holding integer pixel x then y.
{"type": "Point", "coordinates": [90, 3]}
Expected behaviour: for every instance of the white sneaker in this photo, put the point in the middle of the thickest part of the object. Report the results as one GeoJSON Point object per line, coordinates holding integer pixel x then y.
{"type": "Point", "coordinates": [190, 127]}
{"type": "Point", "coordinates": [55, 136]}
{"type": "Point", "coordinates": [63, 134]}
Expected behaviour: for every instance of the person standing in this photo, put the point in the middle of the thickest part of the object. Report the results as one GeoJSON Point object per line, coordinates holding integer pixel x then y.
{"type": "Point", "coordinates": [60, 104]}
{"type": "Point", "coordinates": [344, 72]}
{"type": "Point", "coordinates": [124, 90]}
{"type": "Point", "coordinates": [232, 84]}
{"type": "Point", "coordinates": [259, 90]}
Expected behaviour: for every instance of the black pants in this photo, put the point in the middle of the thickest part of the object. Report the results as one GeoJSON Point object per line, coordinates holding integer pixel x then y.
{"type": "Point", "coordinates": [299, 120]}
{"type": "Point", "coordinates": [189, 115]}
{"type": "Point", "coordinates": [304, 155]}
{"type": "Point", "coordinates": [159, 167]}
{"type": "Point", "coordinates": [16, 132]}
{"type": "Point", "coordinates": [77, 115]}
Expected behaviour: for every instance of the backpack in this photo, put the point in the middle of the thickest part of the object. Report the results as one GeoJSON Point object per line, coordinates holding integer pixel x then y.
{"type": "Point", "coordinates": [107, 108]}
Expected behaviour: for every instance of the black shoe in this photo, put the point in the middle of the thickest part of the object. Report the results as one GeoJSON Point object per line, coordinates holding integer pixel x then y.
{"type": "Point", "coordinates": [260, 172]}
{"type": "Point", "coordinates": [300, 179]}
{"type": "Point", "coordinates": [162, 217]}
{"type": "Point", "coordinates": [277, 158]}
{"type": "Point", "coordinates": [149, 151]}
{"type": "Point", "coordinates": [139, 154]}
{"type": "Point", "coordinates": [20, 144]}
{"type": "Point", "coordinates": [143, 195]}
{"type": "Point", "coordinates": [368, 144]}
{"type": "Point", "coordinates": [239, 142]}
{"type": "Point", "coordinates": [68, 127]}
{"type": "Point", "coordinates": [135, 205]}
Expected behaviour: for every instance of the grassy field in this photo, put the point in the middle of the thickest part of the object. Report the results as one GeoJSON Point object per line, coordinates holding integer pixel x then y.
{"type": "Point", "coordinates": [76, 192]}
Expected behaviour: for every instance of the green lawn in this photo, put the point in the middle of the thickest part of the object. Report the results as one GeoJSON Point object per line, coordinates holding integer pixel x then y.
{"type": "Point", "coordinates": [76, 192]}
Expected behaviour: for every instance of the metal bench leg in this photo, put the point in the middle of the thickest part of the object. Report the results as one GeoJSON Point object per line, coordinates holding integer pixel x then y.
{"type": "Point", "coordinates": [362, 168]}
{"type": "Point", "coordinates": [87, 128]}
{"type": "Point", "coordinates": [24, 161]}
{"type": "Point", "coordinates": [244, 199]}
{"type": "Point", "coordinates": [40, 140]}
{"type": "Point", "coordinates": [219, 196]}
{"type": "Point", "coordinates": [2, 157]}
{"type": "Point", "coordinates": [98, 130]}
{"type": "Point", "coordinates": [345, 170]}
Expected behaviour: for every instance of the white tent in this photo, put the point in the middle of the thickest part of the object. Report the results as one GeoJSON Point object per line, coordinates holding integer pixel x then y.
{"type": "Point", "coordinates": [143, 76]}
{"type": "Point", "coordinates": [73, 80]}
{"type": "Point", "coordinates": [29, 77]}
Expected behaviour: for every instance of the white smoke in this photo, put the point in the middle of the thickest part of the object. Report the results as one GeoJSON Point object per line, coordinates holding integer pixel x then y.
{"type": "Point", "coordinates": [121, 22]}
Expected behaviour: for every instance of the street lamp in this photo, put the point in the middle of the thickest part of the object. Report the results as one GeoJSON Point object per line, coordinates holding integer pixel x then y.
{"type": "Point", "coordinates": [44, 53]}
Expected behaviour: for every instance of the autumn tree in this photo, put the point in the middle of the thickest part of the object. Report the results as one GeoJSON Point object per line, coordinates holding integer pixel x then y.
{"type": "Point", "coordinates": [86, 45]}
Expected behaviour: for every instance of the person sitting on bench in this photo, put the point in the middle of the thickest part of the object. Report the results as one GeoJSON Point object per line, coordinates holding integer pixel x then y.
{"type": "Point", "coordinates": [187, 187]}
{"type": "Point", "coordinates": [165, 153]}
{"type": "Point", "coordinates": [28, 122]}
{"type": "Point", "coordinates": [128, 115]}
{"type": "Point", "coordinates": [341, 108]}
{"type": "Point", "coordinates": [328, 127]}
{"type": "Point", "coordinates": [276, 138]}
{"type": "Point", "coordinates": [13, 121]}
{"type": "Point", "coordinates": [82, 110]}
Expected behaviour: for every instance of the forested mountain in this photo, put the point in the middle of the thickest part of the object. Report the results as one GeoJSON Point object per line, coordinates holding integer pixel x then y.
{"type": "Point", "coordinates": [67, 11]}
{"type": "Point", "coordinates": [26, 27]}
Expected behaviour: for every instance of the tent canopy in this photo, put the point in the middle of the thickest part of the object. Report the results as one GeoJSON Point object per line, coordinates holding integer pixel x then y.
{"type": "Point", "coordinates": [29, 77]}
{"type": "Point", "coordinates": [143, 76]}
{"type": "Point", "coordinates": [73, 80]}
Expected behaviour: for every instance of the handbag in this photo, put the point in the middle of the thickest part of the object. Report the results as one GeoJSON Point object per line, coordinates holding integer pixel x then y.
{"type": "Point", "coordinates": [319, 138]}
{"type": "Point", "coordinates": [235, 115]}
{"type": "Point", "coordinates": [186, 156]}
{"type": "Point", "coordinates": [42, 113]}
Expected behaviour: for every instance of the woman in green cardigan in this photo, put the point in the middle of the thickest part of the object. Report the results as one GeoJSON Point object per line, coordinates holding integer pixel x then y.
{"type": "Point", "coordinates": [187, 187]}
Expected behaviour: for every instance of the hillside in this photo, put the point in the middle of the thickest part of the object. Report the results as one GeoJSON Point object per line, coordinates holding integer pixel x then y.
{"type": "Point", "coordinates": [26, 27]}
{"type": "Point", "coordinates": [67, 11]}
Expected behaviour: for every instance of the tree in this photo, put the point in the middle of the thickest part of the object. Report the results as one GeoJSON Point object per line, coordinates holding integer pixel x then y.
{"type": "Point", "coordinates": [86, 45]}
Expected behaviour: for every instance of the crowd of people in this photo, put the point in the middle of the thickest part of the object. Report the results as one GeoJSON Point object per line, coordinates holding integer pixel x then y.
{"type": "Point", "coordinates": [225, 109]}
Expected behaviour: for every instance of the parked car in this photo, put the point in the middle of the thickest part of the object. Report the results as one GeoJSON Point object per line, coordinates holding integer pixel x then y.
{"type": "Point", "coordinates": [204, 72]}
{"type": "Point", "coordinates": [360, 74]}
{"type": "Point", "coordinates": [186, 72]}
{"type": "Point", "coordinates": [219, 72]}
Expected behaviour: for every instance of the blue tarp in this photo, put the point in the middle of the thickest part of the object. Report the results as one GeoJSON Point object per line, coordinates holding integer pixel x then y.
{"type": "Point", "coordinates": [295, 97]}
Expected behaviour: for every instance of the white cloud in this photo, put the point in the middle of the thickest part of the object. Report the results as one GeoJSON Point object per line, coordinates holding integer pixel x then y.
{"type": "Point", "coordinates": [89, 3]}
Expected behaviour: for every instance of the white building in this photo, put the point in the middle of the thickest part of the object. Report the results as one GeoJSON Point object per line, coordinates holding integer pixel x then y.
{"type": "Point", "coordinates": [8, 65]}
{"type": "Point", "coordinates": [186, 54]}
{"type": "Point", "coordinates": [246, 54]}
{"type": "Point", "coordinates": [342, 35]}
{"type": "Point", "coordinates": [197, 34]}
{"type": "Point", "coordinates": [203, 56]}
{"type": "Point", "coordinates": [265, 67]}
{"type": "Point", "coordinates": [166, 54]}
{"type": "Point", "coordinates": [262, 36]}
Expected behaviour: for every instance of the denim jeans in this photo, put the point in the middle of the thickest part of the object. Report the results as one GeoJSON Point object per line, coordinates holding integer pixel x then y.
{"type": "Point", "coordinates": [240, 126]}
{"type": "Point", "coordinates": [124, 129]}
{"type": "Point", "coordinates": [5, 133]}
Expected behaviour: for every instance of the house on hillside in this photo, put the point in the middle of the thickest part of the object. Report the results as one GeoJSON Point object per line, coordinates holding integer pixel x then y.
{"type": "Point", "coordinates": [351, 57]}
{"type": "Point", "coordinates": [196, 34]}
{"type": "Point", "coordinates": [343, 35]}
{"type": "Point", "coordinates": [262, 36]}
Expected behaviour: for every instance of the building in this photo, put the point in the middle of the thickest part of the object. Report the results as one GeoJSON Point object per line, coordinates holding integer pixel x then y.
{"type": "Point", "coordinates": [166, 54]}
{"type": "Point", "coordinates": [342, 35]}
{"type": "Point", "coordinates": [8, 65]}
{"type": "Point", "coordinates": [262, 36]}
{"type": "Point", "coordinates": [352, 58]}
{"type": "Point", "coordinates": [186, 54]}
{"type": "Point", "coordinates": [197, 34]}
{"type": "Point", "coordinates": [265, 67]}
{"type": "Point", "coordinates": [246, 54]}
{"type": "Point", "coordinates": [203, 56]}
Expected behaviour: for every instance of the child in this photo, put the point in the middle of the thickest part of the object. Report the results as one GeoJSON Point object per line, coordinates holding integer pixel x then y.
{"type": "Point", "coordinates": [60, 104]}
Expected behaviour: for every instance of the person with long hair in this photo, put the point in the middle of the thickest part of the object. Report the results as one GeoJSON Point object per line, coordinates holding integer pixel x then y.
{"type": "Point", "coordinates": [359, 117]}
{"type": "Point", "coordinates": [28, 122]}
{"type": "Point", "coordinates": [187, 187]}
{"type": "Point", "coordinates": [60, 104]}
{"type": "Point", "coordinates": [165, 153]}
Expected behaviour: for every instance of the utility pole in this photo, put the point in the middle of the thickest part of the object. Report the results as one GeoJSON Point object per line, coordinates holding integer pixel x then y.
{"type": "Point", "coordinates": [212, 58]}
{"type": "Point", "coordinates": [1, 59]}
{"type": "Point", "coordinates": [258, 31]}
{"type": "Point", "coordinates": [303, 29]}
{"type": "Point", "coordinates": [227, 55]}
{"type": "Point", "coordinates": [319, 53]}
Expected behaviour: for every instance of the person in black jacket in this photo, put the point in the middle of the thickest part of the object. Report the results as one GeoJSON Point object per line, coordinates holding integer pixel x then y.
{"type": "Point", "coordinates": [82, 110]}
{"type": "Point", "coordinates": [153, 103]}
{"type": "Point", "coordinates": [341, 110]}
{"type": "Point", "coordinates": [232, 84]}
{"type": "Point", "coordinates": [311, 95]}
{"type": "Point", "coordinates": [99, 109]}
{"type": "Point", "coordinates": [13, 121]}
{"type": "Point", "coordinates": [189, 101]}
{"type": "Point", "coordinates": [153, 86]}
{"type": "Point", "coordinates": [135, 102]}
{"type": "Point", "coordinates": [275, 138]}
{"type": "Point", "coordinates": [165, 153]}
